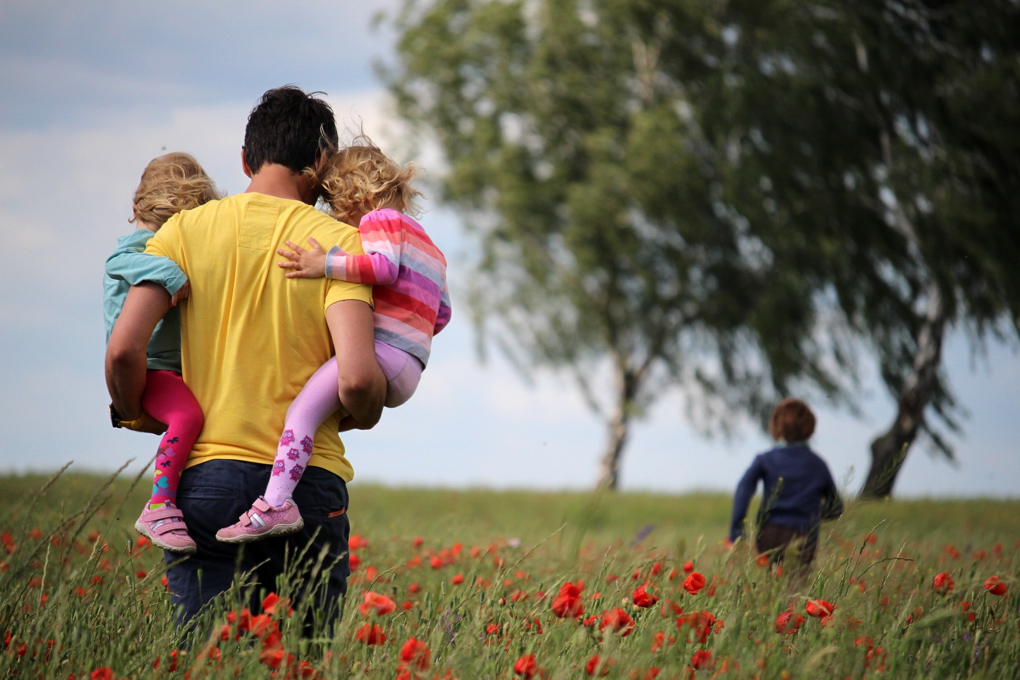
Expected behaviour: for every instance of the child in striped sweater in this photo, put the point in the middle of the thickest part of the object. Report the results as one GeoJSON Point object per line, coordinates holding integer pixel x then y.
{"type": "Point", "coordinates": [412, 303]}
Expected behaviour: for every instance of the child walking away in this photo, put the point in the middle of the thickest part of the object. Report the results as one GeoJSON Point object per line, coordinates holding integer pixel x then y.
{"type": "Point", "coordinates": [169, 184]}
{"type": "Point", "coordinates": [799, 491]}
{"type": "Point", "coordinates": [412, 303]}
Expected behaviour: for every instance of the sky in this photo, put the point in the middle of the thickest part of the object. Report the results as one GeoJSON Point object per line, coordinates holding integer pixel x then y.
{"type": "Point", "coordinates": [92, 91]}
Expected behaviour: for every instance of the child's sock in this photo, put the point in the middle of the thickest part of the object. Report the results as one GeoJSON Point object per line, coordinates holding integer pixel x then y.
{"type": "Point", "coordinates": [316, 402]}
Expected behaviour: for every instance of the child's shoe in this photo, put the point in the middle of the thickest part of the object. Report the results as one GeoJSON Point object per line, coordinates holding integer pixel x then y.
{"type": "Point", "coordinates": [165, 527]}
{"type": "Point", "coordinates": [262, 521]}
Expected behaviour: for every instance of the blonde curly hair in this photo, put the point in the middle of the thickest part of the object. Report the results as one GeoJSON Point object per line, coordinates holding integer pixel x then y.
{"type": "Point", "coordinates": [171, 183]}
{"type": "Point", "coordinates": [360, 178]}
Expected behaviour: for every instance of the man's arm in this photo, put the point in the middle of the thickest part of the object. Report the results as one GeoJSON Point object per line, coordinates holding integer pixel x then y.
{"type": "Point", "coordinates": [361, 383]}
{"type": "Point", "coordinates": [145, 305]}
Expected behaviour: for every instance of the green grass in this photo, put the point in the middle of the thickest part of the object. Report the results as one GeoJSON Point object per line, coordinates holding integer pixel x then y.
{"type": "Point", "coordinates": [78, 592]}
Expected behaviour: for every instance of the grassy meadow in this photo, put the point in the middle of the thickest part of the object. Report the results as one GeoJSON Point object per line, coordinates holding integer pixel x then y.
{"type": "Point", "coordinates": [481, 584]}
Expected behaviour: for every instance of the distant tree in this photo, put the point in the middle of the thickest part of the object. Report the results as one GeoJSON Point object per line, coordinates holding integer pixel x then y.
{"type": "Point", "coordinates": [717, 196]}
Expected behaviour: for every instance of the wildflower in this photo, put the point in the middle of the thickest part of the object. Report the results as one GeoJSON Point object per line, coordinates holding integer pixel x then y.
{"type": "Point", "coordinates": [457, 579]}
{"type": "Point", "coordinates": [376, 603]}
{"type": "Point", "coordinates": [370, 634]}
{"type": "Point", "coordinates": [688, 567]}
{"type": "Point", "coordinates": [567, 603]}
{"type": "Point", "coordinates": [416, 654]}
{"type": "Point", "coordinates": [261, 626]}
{"type": "Point", "coordinates": [702, 658]}
{"type": "Point", "coordinates": [526, 666]}
{"type": "Point", "coordinates": [994, 586]}
{"type": "Point", "coordinates": [819, 608]}
{"type": "Point", "coordinates": [354, 561]}
{"type": "Point", "coordinates": [788, 623]}
{"type": "Point", "coordinates": [702, 623]}
{"type": "Point", "coordinates": [658, 640]}
{"type": "Point", "coordinates": [670, 609]}
{"type": "Point", "coordinates": [942, 583]}
{"type": "Point", "coordinates": [618, 621]}
{"type": "Point", "coordinates": [597, 666]}
{"type": "Point", "coordinates": [357, 542]}
{"type": "Point", "coordinates": [413, 588]}
{"type": "Point", "coordinates": [436, 562]}
{"type": "Point", "coordinates": [418, 540]}
{"type": "Point", "coordinates": [142, 573]}
{"type": "Point", "coordinates": [272, 601]}
{"type": "Point", "coordinates": [642, 599]}
{"type": "Point", "coordinates": [101, 673]}
{"type": "Point", "coordinates": [694, 583]}
{"type": "Point", "coordinates": [143, 542]}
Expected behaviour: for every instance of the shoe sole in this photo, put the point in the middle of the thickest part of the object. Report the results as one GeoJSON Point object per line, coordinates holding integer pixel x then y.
{"type": "Point", "coordinates": [179, 550]}
{"type": "Point", "coordinates": [278, 530]}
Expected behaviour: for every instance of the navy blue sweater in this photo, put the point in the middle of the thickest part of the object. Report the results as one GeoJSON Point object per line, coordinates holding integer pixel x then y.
{"type": "Point", "coordinates": [799, 491]}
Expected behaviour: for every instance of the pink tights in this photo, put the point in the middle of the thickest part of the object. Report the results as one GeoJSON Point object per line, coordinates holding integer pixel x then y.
{"type": "Point", "coordinates": [167, 399]}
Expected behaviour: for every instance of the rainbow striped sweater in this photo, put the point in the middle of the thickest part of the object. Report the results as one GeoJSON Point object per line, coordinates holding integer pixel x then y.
{"type": "Point", "coordinates": [412, 301]}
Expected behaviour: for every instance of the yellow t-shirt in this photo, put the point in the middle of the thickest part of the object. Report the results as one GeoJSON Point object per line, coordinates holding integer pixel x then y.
{"type": "Point", "coordinates": [250, 337]}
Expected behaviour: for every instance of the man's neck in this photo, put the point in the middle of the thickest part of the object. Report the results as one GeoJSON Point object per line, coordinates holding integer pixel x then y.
{"type": "Point", "coordinates": [274, 179]}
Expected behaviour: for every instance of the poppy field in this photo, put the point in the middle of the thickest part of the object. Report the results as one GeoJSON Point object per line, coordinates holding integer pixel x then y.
{"type": "Point", "coordinates": [481, 584]}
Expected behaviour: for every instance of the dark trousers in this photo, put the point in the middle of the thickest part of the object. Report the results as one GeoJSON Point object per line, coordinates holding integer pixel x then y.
{"type": "Point", "coordinates": [774, 540]}
{"type": "Point", "coordinates": [214, 494]}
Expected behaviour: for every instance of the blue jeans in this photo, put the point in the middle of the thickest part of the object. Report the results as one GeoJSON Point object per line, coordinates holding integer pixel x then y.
{"type": "Point", "coordinates": [214, 494]}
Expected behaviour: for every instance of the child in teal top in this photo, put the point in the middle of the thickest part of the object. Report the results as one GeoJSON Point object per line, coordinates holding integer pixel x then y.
{"type": "Point", "coordinates": [169, 184]}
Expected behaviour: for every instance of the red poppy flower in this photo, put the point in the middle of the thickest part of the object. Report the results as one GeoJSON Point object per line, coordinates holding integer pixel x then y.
{"type": "Point", "coordinates": [356, 542]}
{"type": "Point", "coordinates": [618, 621]}
{"type": "Point", "coordinates": [272, 602]}
{"type": "Point", "coordinates": [262, 625]}
{"type": "Point", "coordinates": [702, 658]}
{"type": "Point", "coordinates": [819, 608]}
{"type": "Point", "coordinates": [642, 599]}
{"type": "Point", "coordinates": [942, 583]}
{"type": "Point", "coordinates": [694, 583]}
{"type": "Point", "coordinates": [376, 603]}
{"type": "Point", "coordinates": [598, 667]}
{"type": "Point", "coordinates": [688, 567]}
{"type": "Point", "coordinates": [416, 654]}
{"type": "Point", "coordinates": [788, 623]}
{"type": "Point", "coordinates": [702, 623]}
{"type": "Point", "coordinates": [102, 673]}
{"type": "Point", "coordinates": [370, 634]}
{"type": "Point", "coordinates": [355, 561]}
{"type": "Point", "coordinates": [418, 540]}
{"type": "Point", "coordinates": [995, 586]}
{"type": "Point", "coordinates": [526, 666]}
{"type": "Point", "coordinates": [567, 603]}
{"type": "Point", "coordinates": [457, 579]}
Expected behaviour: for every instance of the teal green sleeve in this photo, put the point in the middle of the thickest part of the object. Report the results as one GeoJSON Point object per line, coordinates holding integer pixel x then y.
{"type": "Point", "coordinates": [136, 267]}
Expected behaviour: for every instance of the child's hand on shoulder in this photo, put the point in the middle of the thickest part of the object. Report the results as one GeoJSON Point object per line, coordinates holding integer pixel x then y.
{"type": "Point", "coordinates": [304, 264]}
{"type": "Point", "coordinates": [182, 294]}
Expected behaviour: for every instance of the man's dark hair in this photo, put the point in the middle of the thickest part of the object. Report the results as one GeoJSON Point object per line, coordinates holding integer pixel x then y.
{"type": "Point", "coordinates": [290, 128]}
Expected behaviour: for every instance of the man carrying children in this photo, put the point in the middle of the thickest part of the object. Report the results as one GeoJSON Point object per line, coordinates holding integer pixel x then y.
{"type": "Point", "coordinates": [250, 339]}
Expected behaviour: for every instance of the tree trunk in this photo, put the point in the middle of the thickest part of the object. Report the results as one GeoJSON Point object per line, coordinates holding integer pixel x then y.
{"type": "Point", "coordinates": [619, 428]}
{"type": "Point", "coordinates": [889, 450]}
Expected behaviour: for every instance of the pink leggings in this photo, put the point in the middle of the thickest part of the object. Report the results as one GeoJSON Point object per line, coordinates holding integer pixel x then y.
{"type": "Point", "coordinates": [167, 399]}
{"type": "Point", "coordinates": [317, 401]}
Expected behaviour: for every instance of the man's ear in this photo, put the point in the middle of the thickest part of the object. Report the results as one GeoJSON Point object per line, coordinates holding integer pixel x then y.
{"type": "Point", "coordinates": [244, 164]}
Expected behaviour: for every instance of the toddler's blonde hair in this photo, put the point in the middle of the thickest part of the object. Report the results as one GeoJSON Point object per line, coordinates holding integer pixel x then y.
{"type": "Point", "coordinates": [171, 183]}
{"type": "Point", "coordinates": [360, 178]}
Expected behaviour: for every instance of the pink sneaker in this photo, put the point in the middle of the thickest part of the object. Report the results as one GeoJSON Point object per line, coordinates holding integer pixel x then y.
{"type": "Point", "coordinates": [262, 521]}
{"type": "Point", "coordinates": [166, 529]}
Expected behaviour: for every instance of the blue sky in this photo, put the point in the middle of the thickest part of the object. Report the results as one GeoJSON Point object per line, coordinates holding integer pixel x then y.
{"type": "Point", "coordinates": [93, 91]}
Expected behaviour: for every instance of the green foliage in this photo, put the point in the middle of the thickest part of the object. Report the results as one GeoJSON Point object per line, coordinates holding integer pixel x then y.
{"type": "Point", "coordinates": [80, 593]}
{"type": "Point", "coordinates": [725, 197]}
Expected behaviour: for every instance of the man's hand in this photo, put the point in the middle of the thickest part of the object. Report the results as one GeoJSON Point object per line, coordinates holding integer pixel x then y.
{"type": "Point", "coordinates": [145, 305]}
{"type": "Point", "coordinates": [361, 383]}
{"type": "Point", "coordinates": [182, 294]}
{"type": "Point", "coordinates": [304, 264]}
